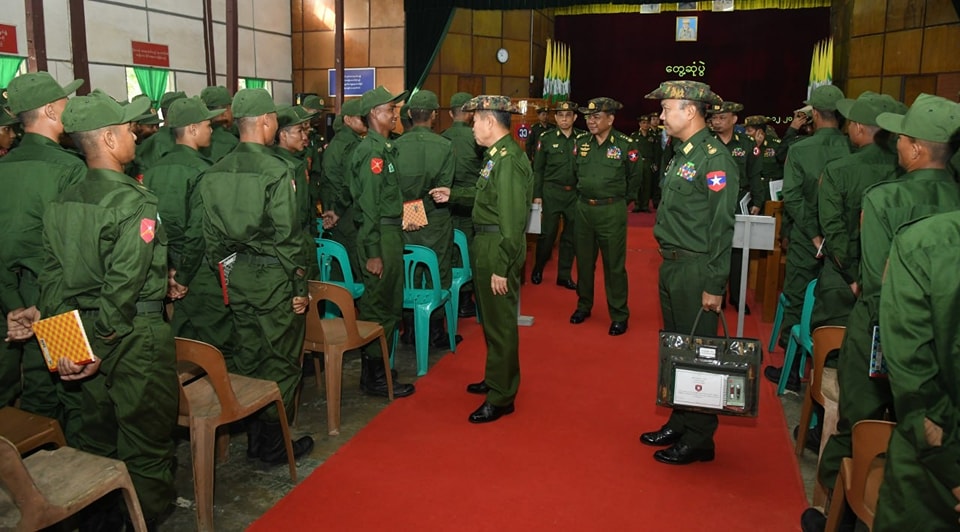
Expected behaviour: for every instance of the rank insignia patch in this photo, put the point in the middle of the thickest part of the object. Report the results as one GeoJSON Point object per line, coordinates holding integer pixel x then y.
{"type": "Point", "coordinates": [376, 165]}
{"type": "Point", "coordinates": [485, 173]}
{"type": "Point", "coordinates": [716, 181]}
{"type": "Point", "coordinates": [687, 171]}
{"type": "Point", "coordinates": [147, 229]}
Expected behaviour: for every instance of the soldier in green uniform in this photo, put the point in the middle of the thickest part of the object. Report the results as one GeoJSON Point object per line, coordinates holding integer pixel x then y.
{"type": "Point", "coordinates": [467, 155]}
{"type": "Point", "coordinates": [424, 162]}
{"type": "Point", "coordinates": [148, 124]}
{"type": "Point", "coordinates": [543, 125]}
{"type": "Point", "coordinates": [921, 486]}
{"type": "Point", "coordinates": [927, 187]}
{"type": "Point", "coordinates": [554, 188]}
{"type": "Point", "coordinates": [250, 209]}
{"type": "Point", "coordinates": [335, 196]}
{"type": "Point", "coordinates": [152, 149]}
{"type": "Point", "coordinates": [503, 193]}
{"type": "Point", "coordinates": [32, 175]}
{"type": "Point", "coordinates": [312, 152]}
{"type": "Point", "coordinates": [223, 140]}
{"type": "Point", "coordinates": [800, 128]}
{"type": "Point", "coordinates": [8, 129]}
{"type": "Point", "coordinates": [106, 256]}
{"type": "Point", "coordinates": [801, 178]}
{"type": "Point", "coordinates": [694, 230]}
{"type": "Point", "coordinates": [607, 168]}
{"type": "Point", "coordinates": [765, 148]}
{"type": "Point", "coordinates": [649, 145]}
{"type": "Point", "coordinates": [374, 181]}
{"type": "Point", "coordinates": [293, 122]}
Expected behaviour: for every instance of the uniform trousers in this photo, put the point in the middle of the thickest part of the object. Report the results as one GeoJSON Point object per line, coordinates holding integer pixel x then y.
{"type": "Point", "coordinates": [201, 315]}
{"type": "Point", "coordinates": [602, 229]}
{"type": "Point", "coordinates": [557, 203]}
{"type": "Point", "coordinates": [382, 299]}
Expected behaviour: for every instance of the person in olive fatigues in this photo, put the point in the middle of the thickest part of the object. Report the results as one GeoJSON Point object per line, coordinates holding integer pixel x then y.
{"type": "Point", "coordinates": [607, 168]}
{"type": "Point", "coordinates": [293, 122]}
{"type": "Point", "coordinates": [542, 126]}
{"type": "Point", "coordinates": [467, 155]}
{"type": "Point", "coordinates": [157, 145]}
{"type": "Point", "coordinates": [503, 194]}
{"type": "Point", "coordinates": [425, 161]}
{"type": "Point", "coordinates": [374, 181]}
{"type": "Point", "coordinates": [312, 152]}
{"type": "Point", "coordinates": [694, 230]}
{"type": "Point", "coordinates": [649, 143]}
{"type": "Point", "coordinates": [926, 188]}
{"type": "Point", "coordinates": [335, 195]}
{"type": "Point", "coordinates": [223, 141]}
{"type": "Point", "coordinates": [32, 175]}
{"type": "Point", "coordinates": [250, 209]}
{"type": "Point", "coordinates": [765, 148]}
{"type": "Point", "coordinates": [554, 188]}
{"type": "Point", "coordinates": [106, 256]}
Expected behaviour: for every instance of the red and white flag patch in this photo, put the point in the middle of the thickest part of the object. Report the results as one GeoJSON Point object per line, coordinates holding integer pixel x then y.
{"type": "Point", "coordinates": [376, 165]}
{"type": "Point", "coordinates": [148, 229]}
{"type": "Point", "coordinates": [716, 181]}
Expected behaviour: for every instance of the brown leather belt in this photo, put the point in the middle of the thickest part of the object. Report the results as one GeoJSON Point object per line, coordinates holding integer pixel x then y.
{"type": "Point", "coordinates": [601, 201]}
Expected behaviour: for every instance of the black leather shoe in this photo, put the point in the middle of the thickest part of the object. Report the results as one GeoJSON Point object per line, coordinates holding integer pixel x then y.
{"type": "Point", "coordinates": [479, 388]}
{"type": "Point", "coordinates": [682, 454]}
{"type": "Point", "coordinates": [773, 375]}
{"type": "Point", "coordinates": [567, 283]}
{"type": "Point", "coordinates": [579, 316]}
{"type": "Point", "coordinates": [617, 328]}
{"type": "Point", "coordinates": [813, 438]}
{"type": "Point", "coordinates": [536, 277]}
{"type": "Point", "coordinates": [487, 413]}
{"type": "Point", "coordinates": [812, 520]}
{"type": "Point", "coordinates": [468, 309]}
{"type": "Point", "coordinates": [660, 438]}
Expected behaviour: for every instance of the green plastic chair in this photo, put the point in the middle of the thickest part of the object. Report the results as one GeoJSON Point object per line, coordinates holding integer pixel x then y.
{"type": "Point", "coordinates": [327, 252]}
{"type": "Point", "coordinates": [800, 338]}
{"type": "Point", "coordinates": [782, 304]}
{"type": "Point", "coordinates": [463, 274]}
{"type": "Point", "coordinates": [422, 294]}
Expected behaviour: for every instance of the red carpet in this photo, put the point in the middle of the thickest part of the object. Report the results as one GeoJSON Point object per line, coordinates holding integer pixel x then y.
{"type": "Point", "coordinates": [569, 458]}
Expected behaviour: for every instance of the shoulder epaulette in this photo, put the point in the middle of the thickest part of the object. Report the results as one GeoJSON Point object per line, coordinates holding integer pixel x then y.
{"type": "Point", "coordinates": [585, 133]}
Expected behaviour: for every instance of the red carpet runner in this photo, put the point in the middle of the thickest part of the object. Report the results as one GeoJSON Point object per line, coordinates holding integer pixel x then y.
{"type": "Point", "coordinates": [569, 458]}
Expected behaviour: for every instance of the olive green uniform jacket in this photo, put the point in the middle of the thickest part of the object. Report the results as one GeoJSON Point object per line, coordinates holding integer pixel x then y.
{"type": "Point", "coordinates": [535, 132]}
{"type": "Point", "coordinates": [306, 210]}
{"type": "Point", "coordinates": [151, 150]}
{"type": "Point", "coordinates": [335, 195]}
{"type": "Point", "coordinates": [222, 142]}
{"type": "Point", "coordinates": [467, 156]}
{"type": "Point", "coordinates": [742, 149]}
{"type": "Point", "coordinates": [554, 181]}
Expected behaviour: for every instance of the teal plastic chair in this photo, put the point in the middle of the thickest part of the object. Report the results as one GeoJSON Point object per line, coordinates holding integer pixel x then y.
{"type": "Point", "coordinates": [463, 274]}
{"type": "Point", "coordinates": [800, 339]}
{"type": "Point", "coordinates": [327, 252]}
{"type": "Point", "coordinates": [424, 298]}
{"type": "Point", "coordinates": [782, 304]}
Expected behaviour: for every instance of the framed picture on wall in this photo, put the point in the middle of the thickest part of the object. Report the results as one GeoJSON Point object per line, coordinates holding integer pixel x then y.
{"type": "Point", "coordinates": [650, 8]}
{"type": "Point", "coordinates": [687, 6]}
{"type": "Point", "coordinates": [723, 5]}
{"type": "Point", "coordinates": [687, 29]}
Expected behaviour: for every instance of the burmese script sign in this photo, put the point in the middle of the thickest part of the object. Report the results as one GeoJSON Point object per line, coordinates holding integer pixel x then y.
{"type": "Point", "coordinates": [8, 39]}
{"type": "Point", "coordinates": [150, 54]}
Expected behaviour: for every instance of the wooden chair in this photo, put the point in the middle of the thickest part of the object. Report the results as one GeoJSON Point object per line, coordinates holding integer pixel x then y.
{"type": "Point", "coordinates": [29, 431]}
{"type": "Point", "coordinates": [821, 389]}
{"type": "Point", "coordinates": [50, 486]}
{"type": "Point", "coordinates": [335, 336]}
{"type": "Point", "coordinates": [214, 399]}
{"type": "Point", "coordinates": [861, 475]}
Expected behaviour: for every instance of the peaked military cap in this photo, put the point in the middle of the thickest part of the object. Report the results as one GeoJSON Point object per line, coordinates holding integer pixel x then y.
{"type": "Point", "coordinates": [351, 107]}
{"type": "Point", "coordinates": [863, 110]}
{"type": "Point", "coordinates": [170, 97]}
{"type": "Point", "coordinates": [460, 98]}
{"type": "Point", "coordinates": [312, 101]}
{"type": "Point", "coordinates": [755, 121]}
{"type": "Point", "coordinates": [87, 113]}
{"type": "Point", "coordinates": [643, 118]}
{"type": "Point", "coordinates": [215, 97]}
{"type": "Point", "coordinates": [186, 111]}
{"type": "Point", "coordinates": [685, 90]}
{"type": "Point", "coordinates": [35, 89]}
{"type": "Point", "coordinates": [567, 106]}
{"type": "Point", "coordinates": [726, 107]}
{"type": "Point", "coordinates": [541, 108]}
{"type": "Point", "coordinates": [149, 118]}
{"type": "Point", "coordinates": [825, 97]}
{"type": "Point", "coordinates": [490, 102]}
{"type": "Point", "coordinates": [424, 99]}
{"type": "Point", "coordinates": [930, 118]}
{"type": "Point", "coordinates": [6, 117]}
{"type": "Point", "coordinates": [379, 96]}
{"type": "Point", "coordinates": [292, 115]}
{"type": "Point", "coordinates": [601, 105]}
{"type": "Point", "coordinates": [253, 102]}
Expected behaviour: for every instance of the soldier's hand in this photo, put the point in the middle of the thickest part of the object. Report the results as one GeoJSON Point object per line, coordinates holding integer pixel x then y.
{"type": "Point", "coordinates": [330, 219]}
{"type": "Point", "coordinates": [754, 210]}
{"type": "Point", "coordinates": [440, 194]}
{"type": "Point", "coordinates": [855, 288]}
{"type": "Point", "coordinates": [410, 226]}
{"type": "Point", "coordinates": [20, 323]}
{"type": "Point", "coordinates": [498, 285]}
{"type": "Point", "coordinates": [71, 371]}
{"type": "Point", "coordinates": [300, 304]}
{"type": "Point", "coordinates": [799, 119]}
{"type": "Point", "coordinates": [538, 201]}
{"type": "Point", "coordinates": [375, 266]}
{"type": "Point", "coordinates": [932, 432]}
{"type": "Point", "coordinates": [711, 302]}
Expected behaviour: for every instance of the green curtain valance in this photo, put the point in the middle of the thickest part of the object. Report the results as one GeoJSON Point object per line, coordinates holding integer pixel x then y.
{"type": "Point", "coordinates": [9, 66]}
{"type": "Point", "coordinates": [153, 83]}
{"type": "Point", "coordinates": [255, 83]}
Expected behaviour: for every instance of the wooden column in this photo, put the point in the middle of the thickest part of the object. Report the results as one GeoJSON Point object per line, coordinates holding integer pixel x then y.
{"type": "Point", "coordinates": [338, 54]}
{"type": "Point", "coordinates": [232, 46]}
{"type": "Point", "coordinates": [36, 36]}
{"type": "Point", "coordinates": [78, 41]}
{"type": "Point", "coordinates": [208, 47]}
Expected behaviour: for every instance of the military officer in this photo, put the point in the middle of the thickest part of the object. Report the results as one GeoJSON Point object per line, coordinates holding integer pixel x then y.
{"type": "Point", "coordinates": [250, 209]}
{"type": "Point", "coordinates": [607, 168]}
{"type": "Point", "coordinates": [504, 191]}
{"type": "Point", "coordinates": [800, 128]}
{"type": "Point", "coordinates": [554, 188]}
{"type": "Point", "coordinates": [374, 181]}
{"type": "Point", "coordinates": [32, 175]}
{"type": "Point", "coordinates": [293, 123]}
{"type": "Point", "coordinates": [335, 195]}
{"type": "Point", "coordinates": [699, 191]}
{"type": "Point", "coordinates": [467, 155]}
{"type": "Point", "coordinates": [223, 140]}
{"type": "Point", "coordinates": [146, 125]}
{"type": "Point", "coordinates": [927, 187]}
{"type": "Point", "coordinates": [543, 124]}
{"type": "Point", "coordinates": [108, 223]}
{"type": "Point", "coordinates": [312, 152]}
{"type": "Point", "coordinates": [424, 162]}
{"type": "Point", "coordinates": [649, 145]}
{"type": "Point", "coordinates": [152, 149]}
{"type": "Point", "coordinates": [766, 149]}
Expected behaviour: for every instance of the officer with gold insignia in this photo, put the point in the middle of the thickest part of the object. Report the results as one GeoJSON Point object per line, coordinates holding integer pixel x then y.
{"type": "Point", "coordinates": [608, 169]}
{"type": "Point", "coordinates": [765, 148]}
{"type": "Point", "coordinates": [543, 124]}
{"type": "Point", "coordinates": [649, 144]}
{"type": "Point", "coordinates": [554, 188]}
{"type": "Point", "coordinates": [695, 232]}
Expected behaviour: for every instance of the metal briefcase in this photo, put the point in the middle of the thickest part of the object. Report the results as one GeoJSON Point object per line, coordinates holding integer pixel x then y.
{"type": "Point", "coordinates": [711, 374]}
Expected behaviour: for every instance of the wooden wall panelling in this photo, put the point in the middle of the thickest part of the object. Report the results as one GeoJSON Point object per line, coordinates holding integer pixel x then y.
{"type": "Point", "coordinates": [356, 48]}
{"type": "Point", "coordinates": [940, 12]}
{"type": "Point", "coordinates": [914, 85]}
{"type": "Point", "coordinates": [855, 86]}
{"type": "Point", "coordinates": [892, 85]}
{"type": "Point", "coordinates": [904, 14]}
{"type": "Point", "coordinates": [948, 86]}
{"type": "Point", "coordinates": [902, 52]}
{"type": "Point", "coordinates": [941, 49]}
{"type": "Point", "coordinates": [866, 56]}
{"type": "Point", "coordinates": [869, 16]}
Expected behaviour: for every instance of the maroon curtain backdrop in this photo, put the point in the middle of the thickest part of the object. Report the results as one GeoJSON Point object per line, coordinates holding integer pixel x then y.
{"type": "Point", "coordinates": [760, 58]}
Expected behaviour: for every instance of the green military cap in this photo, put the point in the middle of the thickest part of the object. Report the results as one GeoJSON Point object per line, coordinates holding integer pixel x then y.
{"type": "Point", "coordinates": [87, 113]}
{"type": "Point", "coordinates": [149, 119]}
{"type": "Point", "coordinates": [825, 97]}
{"type": "Point", "coordinates": [490, 102]}
{"type": "Point", "coordinates": [291, 115]}
{"type": "Point", "coordinates": [36, 89]}
{"type": "Point", "coordinates": [755, 121]}
{"type": "Point", "coordinates": [312, 101]}
{"type": "Point", "coordinates": [890, 105]}
{"type": "Point", "coordinates": [864, 109]}
{"type": "Point", "coordinates": [6, 117]}
{"type": "Point", "coordinates": [170, 97]}
{"type": "Point", "coordinates": [403, 111]}
{"type": "Point", "coordinates": [930, 118]}
{"type": "Point", "coordinates": [253, 102]}
{"type": "Point", "coordinates": [215, 97]}
{"type": "Point", "coordinates": [186, 111]}
{"type": "Point", "coordinates": [541, 108]}
{"type": "Point", "coordinates": [601, 105]}
{"type": "Point", "coordinates": [806, 109]}
{"type": "Point", "coordinates": [685, 90]}
{"type": "Point", "coordinates": [140, 97]}
{"type": "Point", "coordinates": [643, 118]}
{"type": "Point", "coordinates": [460, 98]}
{"type": "Point", "coordinates": [376, 97]}
{"type": "Point", "coordinates": [351, 107]}
{"type": "Point", "coordinates": [424, 99]}
{"type": "Point", "coordinates": [567, 106]}
{"type": "Point", "coordinates": [726, 107]}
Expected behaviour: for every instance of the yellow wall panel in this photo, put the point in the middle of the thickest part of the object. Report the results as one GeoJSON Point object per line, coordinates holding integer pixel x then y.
{"type": "Point", "coordinates": [318, 15]}
{"type": "Point", "coordinates": [391, 78]}
{"type": "Point", "coordinates": [318, 49]}
{"type": "Point", "coordinates": [457, 54]}
{"type": "Point", "coordinates": [356, 14]}
{"type": "Point", "coordinates": [519, 62]}
{"type": "Point", "coordinates": [485, 56]}
{"type": "Point", "coordinates": [356, 48]}
{"type": "Point", "coordinates": [891, 85]}
{"type": "Point", "coordinates": [902, 52]}
{"type": "Point", "coordinates": [462, 21]}
{"type": "Point", "coordinates": [866, 56]}
{"type": "Point", "coordinates": [869, 16]}
{"type": "Point", "coordinates": [487, 23]}
{"type": "Point", "coordinates": [315, 81]}
{"type": "Point", "coordinates": [941, 49]}
{"type": "Point", "coordinates": [904, 14]}
{"type": "Point", "coordinates": [515, 87]}
{"type": "Point", "coordinates": [516, 24]}
{"type": "Point", "coordinates": [940, 12]}
{"type": "Point", "coordinates": [855, 86]}
{"type": "Point", "coordinates": [386, 13]}
{"type": "Point", "coordinates": [386, 47]}
{"type": "Point", "coordinates": [492, 85]}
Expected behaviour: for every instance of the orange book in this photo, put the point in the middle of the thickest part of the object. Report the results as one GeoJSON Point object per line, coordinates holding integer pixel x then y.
{"type": "Point", "coordinates": [414, 214]}
{"type": "Point", "coordinates": [63, 336]}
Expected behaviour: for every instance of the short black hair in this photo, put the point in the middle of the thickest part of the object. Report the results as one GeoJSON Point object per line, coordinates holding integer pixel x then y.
{"type": "Point", "coordinates": [179, 132]}
{"type": "Point", "coordinates": [30, 116]}
{"type": "Point", "coordinates": [246, 122]}
{"type": "Point", "coordinates": [701, 107]}
{"type": "Point", "coordinates": [86, 141]}
{"type": "Point", "coordinates": [502, 117]}
{"type": "Point", "coordinates": [420, 116]}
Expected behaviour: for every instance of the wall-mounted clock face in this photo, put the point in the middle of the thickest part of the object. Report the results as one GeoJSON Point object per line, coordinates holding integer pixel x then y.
{"type": "Point", "coordinates": [503, 55]}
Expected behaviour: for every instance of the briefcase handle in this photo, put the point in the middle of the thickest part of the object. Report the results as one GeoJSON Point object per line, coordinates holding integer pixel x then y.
{"type": "Point", "coordinates": [723, 320]}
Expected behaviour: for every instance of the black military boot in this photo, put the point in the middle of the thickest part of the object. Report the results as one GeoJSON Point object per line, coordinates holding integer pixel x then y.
{"type": "Point", "coordinates": [254, 430]}
{"type": "Point", "coordinates": [373, 380]}
{"type": "Point", "coordinates": [407, 336]}
{"type": "Point", "coordinates": [273, 449]}
{"type": "Point", "coordinates": [438, 332]}
{"type": "Point", "coordinates": [468, 309]}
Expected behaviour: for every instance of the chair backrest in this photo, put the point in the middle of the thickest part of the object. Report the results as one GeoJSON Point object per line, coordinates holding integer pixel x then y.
{"type": "Point", "coordinates": [16, 480]}
{"type": "Point", "coordinates": [870, 439]}
{"type": "Point", "coordinates": [460, 240]}
{"type": "Point", "coordinates": [321, 292]}
{"type": "Point", "coordinates": [210, 360]}
{"type": "Point", "coordinates": [806, 312]}
{"type": "Point", "coordinates": [329, 251]}
{"type": "Point", "coordinates": [825, 339]}
{"type": "Point", "coordinates": [414, 256]}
